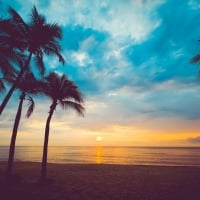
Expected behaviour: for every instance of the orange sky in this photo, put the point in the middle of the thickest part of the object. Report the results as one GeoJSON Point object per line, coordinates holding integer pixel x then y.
{"type": "Point", "coordinates": [69, 129]}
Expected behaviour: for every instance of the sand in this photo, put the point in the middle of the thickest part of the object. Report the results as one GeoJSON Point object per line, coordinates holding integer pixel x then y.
{"type": "Point", "coordinates": [99, 181]}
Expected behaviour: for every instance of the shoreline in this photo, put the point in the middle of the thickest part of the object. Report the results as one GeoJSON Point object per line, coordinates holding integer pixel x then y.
{"type": "Point", "coordinates": [93, 163]}
{"type": "Point", "coordinates": [103, 181]}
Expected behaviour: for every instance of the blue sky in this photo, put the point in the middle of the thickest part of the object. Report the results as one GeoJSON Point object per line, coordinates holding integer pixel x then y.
{"type": "Point", "coordinates": [130, 59]}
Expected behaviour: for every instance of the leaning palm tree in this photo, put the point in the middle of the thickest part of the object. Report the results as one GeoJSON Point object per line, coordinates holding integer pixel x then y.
{"type": "Point", "coordinates": [65, 93]}
{"type": "Point", "coordinates": [37, 38]}
{"type": "Point", "coordinates": [28, 86]}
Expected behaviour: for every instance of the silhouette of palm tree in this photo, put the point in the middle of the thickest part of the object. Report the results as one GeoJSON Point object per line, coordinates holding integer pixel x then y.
{"type": "Point", "coordinates": [38, 38]}
{"type": "Point", "coordinates": [65, 93]}
{"type": "Point", "coordinates": [27, 85]}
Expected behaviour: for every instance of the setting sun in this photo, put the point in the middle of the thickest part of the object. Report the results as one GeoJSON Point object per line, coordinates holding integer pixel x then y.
{"type": "Point", "coordinates": [99, 138]}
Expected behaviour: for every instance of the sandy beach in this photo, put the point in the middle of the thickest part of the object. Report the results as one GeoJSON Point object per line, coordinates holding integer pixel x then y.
{"type": "Point", "coordinates": [93, 181]}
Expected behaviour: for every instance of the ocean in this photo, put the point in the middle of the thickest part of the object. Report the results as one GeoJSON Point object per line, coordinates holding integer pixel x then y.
{"type": "Point", "coordinates": [167, 156]}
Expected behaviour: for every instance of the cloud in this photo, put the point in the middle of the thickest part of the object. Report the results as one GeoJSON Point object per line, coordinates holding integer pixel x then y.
{"type": "Point", "coordinates": [194, 4]}
{"type": "Point", "coordinates": [195, 140]}
{"type": "Point", "coordinates": [134, 19]}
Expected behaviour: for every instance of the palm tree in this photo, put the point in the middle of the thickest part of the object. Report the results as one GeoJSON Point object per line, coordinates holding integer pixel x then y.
{"type": "Point", "coordinates": [37, 38]}
{"type": "Point", "coordinates": [65, 93]}
{"type": "Point", "coordinates": [28, 85]}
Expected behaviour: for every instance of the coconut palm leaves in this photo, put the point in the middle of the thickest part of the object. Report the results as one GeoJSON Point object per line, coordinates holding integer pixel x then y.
{"type": "Point", "coordinates": [10, 49]}
{"type": "Point", "coordinates": [62, 92]}
{"type": "Point", "coordinates": [37, 38]}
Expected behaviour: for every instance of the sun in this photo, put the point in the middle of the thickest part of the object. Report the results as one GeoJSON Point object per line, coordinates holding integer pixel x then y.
{"type": "Point", "coordinates": [99, 138]}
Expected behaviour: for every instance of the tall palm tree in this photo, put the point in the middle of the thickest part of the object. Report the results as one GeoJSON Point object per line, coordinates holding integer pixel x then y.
{"type": "Point", "coordinates": [28, 85]}
{"type": "Point", "coordinates": [37, 38]}
{"type": "Point", "coordinates": [65, 93]}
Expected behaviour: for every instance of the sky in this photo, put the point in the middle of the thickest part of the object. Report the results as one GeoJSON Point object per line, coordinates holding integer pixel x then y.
{"type": "Point", "coordinates": [131, 61]}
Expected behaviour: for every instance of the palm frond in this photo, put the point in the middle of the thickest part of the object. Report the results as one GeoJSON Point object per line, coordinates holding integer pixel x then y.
{"type": "Point", "coordinates": [31, 106]}
{"type": "Point", "coordinates": [39, 62]}
{"type": "Point", "coordinates": [195, 59]}
{"type": "Point", "coordinates": [70, 104]}
{"type": "Point", "coordinates": [11, 77]}
{"type": "Point", "coordinates": [53, 29]}
{"type": "Point", "coordinates": [54, 48]}
{"type": "Point", "coordinates": [52, 78]}
{"type": "Point", "coordinates": [36, 18]}
{"type": "Point", "coordinates": [6, 27]}
{"type": "Point", "coordinates": [21, 28]}
{"type": "Point", "coordinates": [72, 91]}
{"type": "Point", "coordinates": [6, 67]}
{"type": "Point", "coordinates": [20, 58]}
{"type": "Point", "coordinates": [60, 89]}
{"type": "Point", "coordinates": [11, 43]}
{"type": "Point", "coordinates": [15, 16]}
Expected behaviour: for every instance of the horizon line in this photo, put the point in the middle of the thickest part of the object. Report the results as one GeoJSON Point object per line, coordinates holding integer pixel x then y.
{"type": "Point", "coordinates": [134, 146]}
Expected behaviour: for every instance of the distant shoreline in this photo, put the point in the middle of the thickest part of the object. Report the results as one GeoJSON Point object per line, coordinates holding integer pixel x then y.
{"type": "Point", "coordinates": [103, 181]}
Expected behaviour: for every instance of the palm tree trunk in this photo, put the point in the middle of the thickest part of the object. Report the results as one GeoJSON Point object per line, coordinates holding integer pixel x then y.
{"type": "Point", "coordinates": [13, 138]}
{"type": "Point", "coordinates": [10, 92]}
{"type": "Point", "coordinates": [46, 139]}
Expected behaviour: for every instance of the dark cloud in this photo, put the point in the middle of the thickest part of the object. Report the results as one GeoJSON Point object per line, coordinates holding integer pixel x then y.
{"type": "Point", "coordinates": [195, 140]}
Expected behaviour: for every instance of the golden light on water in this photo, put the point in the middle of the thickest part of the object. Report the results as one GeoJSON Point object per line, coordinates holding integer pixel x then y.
{"type": "Point", "coordinates": [99, 156]}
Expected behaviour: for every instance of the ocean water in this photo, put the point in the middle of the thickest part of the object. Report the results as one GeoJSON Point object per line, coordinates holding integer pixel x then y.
{"type": "Point", "coordinates": [169, 156]}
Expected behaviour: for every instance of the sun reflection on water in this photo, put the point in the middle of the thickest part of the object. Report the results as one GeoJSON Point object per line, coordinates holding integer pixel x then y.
{"type": "Point", "coordinates": [99, 156]}
{"type": "Point", "coordinates": [109, 155]}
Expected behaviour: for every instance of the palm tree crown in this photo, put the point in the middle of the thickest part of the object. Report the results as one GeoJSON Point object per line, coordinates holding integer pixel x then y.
{"type": "Point", "coordinates": [63, 92]}
{"type": "Point", "coordinates": [37, 38]}
{"type": "Point", "coordinates": [40, 37]}
{"type": "Point", "coordinates": [11, 54]}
